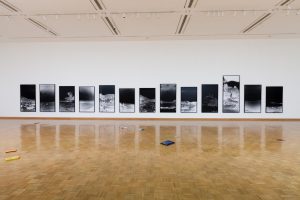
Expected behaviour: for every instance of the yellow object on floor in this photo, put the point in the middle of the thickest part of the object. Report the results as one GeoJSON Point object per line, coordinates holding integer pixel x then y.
{"type": "Point", "coordinates": [12, 158]}
{"type": "Point", "coordinates": [11, 151]}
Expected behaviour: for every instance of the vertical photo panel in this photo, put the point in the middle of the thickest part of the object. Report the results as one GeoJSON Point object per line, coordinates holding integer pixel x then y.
{"type": "Point", "coordinates": [127, 100]}
{"type": "Point", "coordinates": [66, 98]}
{"type": "Point", "coordinates": [28, 98]}
{"type": "Point", "coordinates": [231, 94]}
{"type": "Point", "coordinates": [147, 100]}
{"type": "Point", "coordinates": [168, 98]}
{"type": "Point", "coordinates": [47, 98]}
{"type": "Point", "coordinates": [107, 98]}
{"type": "Point", "coordinates": [274, 99]}
{"type": "Point", "coordinates": [87, 99]}
{"type": "Point", "coordinates": [210, 98]}
{"type": "Point", "coordinates": [252, 98]}
{"type": "Point", "coordinates": [188, 100]}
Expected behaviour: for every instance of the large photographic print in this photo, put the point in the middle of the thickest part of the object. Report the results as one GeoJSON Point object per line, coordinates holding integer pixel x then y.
{"type": "Point", "coordinates": [147, 100]}
{"type": "Point", "coordinates": [252, 97]}
{"type": "Point", "coordinates": [189, 99]}
{"type": "Point", "coordinates": [86, 99]}
{"type": "Point", "coordinates": [47, 97]}
{"type": "Point", "coordinates": [168, 98]}
{"type": "Point", "coordinates": [127, 100]}
{"type": "Point", "coordinates": [27, 98]}
{"type": "Point", "coordinates": [231, 94]}
{"type": "Point", "coordinates": [66, 99]}
{"type": "Point", "coordinates": [107, 98]}
{"type": "Point", "coordinates": [210, 96]}
{"type": "Point", "coordinates": [274, 99]}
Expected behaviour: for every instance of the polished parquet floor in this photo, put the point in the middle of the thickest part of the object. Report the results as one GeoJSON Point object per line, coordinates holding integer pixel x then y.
{"type": "Point", "coordinates": [62, 160]}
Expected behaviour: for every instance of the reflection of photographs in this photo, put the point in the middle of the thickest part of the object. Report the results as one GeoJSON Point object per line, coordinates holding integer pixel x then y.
{"type": "Point", "coordinates": [127, 100]}
{"type": "Point", "coordinates": [231, 94]}
{"type": "Point", "coordinates": [210, 98]}
{"type": "Point", "coordinates": [87, 99]}
{"type": "Point", "coordinates": [189, 99]}
{"type": "Point", "coordinates": [168, 98]}
{"type": "Point", "coordinates": [147, 100]}
{"type": "Point", "coordinates": [107, 98]}
{"type": "Point", "coordinates": [28, 98]}
{"type": "Point", "coordinates": [252, 98]}
{"type": "Point", "coordinates": [66, 99]}
{"type": "Point", "coordinates": [47, 98]}
{"type": "Point", "coordinates": [274, 99]}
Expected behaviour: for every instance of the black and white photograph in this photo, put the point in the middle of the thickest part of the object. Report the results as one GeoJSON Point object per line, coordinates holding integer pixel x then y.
{"type": "Point", "coordinates": [107, 98]}
{"type": "Point", "coordinates": [252, 98]}
{"type": "Point", "coordinates": [27, 98]}
{"type": "Point", "coordinates": [86, 99]}
{"type": "Point", "coordinates": [274, 99]}
{"type": "Point", "coordinates": [66, 99]}
{"type": "Point", "coordinates": [231, 94]}
{"type": "Point", "coordinates": [147, 100]}
{"type": "Point", "coordinates": [189, 99]}
{"type": "Point", "coordinates": [168, 98]}
{"type": "Point", "coordinates": [127, 100]}
{"type": "Point", "coordinates": [210, 98]}
{"type": "Point", "coordinates": [47, 98]}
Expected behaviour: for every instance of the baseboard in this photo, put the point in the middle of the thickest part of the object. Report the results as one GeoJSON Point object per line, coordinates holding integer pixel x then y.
{"type": "Point", "coordinates": [152, 119]}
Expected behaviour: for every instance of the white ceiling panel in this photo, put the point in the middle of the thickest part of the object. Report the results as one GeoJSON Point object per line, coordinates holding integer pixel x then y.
{"type": "Point", "coordinates": [236, 5]}
{"type": "Point", "coordinates": [144, 5]}
{"type": "Point", "coordinates": [72, 26]}
{"type": "Point", "coordinates": [19, 27]}
{"type": "Point", "coordinates": [201, 24]}
{"type": "Point", "coordinates": [46, 6]}
{"type": "Point", "coordinates": [279, 23]}
{"type": "Point", "coordinates": [146, 25]}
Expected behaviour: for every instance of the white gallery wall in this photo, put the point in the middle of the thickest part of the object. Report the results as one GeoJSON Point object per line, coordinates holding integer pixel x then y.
{"type": "Point", "coordinates": [138, 64]}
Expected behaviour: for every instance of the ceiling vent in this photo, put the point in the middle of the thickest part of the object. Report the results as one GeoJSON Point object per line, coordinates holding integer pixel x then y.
{"type": "Point", "coordinates": [41, 26]}
{"type": "Point", "coordinates": [257, 22]}
{"type": "Point", "coordinates": [183, 22]}
{"type": "Point", "coordinates": [97, 4]}
{"type": "Point", "coordinates": [190, 3]}
{"type": "Point", "coordinates": [285, 2]}
{"type": "Point", "coordinates": [9, 6]}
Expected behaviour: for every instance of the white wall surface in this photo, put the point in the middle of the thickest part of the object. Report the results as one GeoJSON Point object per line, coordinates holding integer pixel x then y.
{"type": "Point", "coordinates": [148, 64]}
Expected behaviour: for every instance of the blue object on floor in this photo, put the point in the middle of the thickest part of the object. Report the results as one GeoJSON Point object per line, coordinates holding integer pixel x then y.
{"type": "Point", "coordinates": [167, 142]}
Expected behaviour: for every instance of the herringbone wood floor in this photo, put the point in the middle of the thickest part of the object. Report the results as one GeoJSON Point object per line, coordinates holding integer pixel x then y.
{"type": "Point", "coordinates": [117, 160]}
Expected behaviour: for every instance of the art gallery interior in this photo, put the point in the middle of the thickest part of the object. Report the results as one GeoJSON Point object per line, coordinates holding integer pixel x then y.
{"type": "Point", "coordinates": [149, 99]}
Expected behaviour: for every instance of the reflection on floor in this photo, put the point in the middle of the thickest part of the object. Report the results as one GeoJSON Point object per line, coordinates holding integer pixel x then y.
{"type": "Point", "coordinates": [124, 160]}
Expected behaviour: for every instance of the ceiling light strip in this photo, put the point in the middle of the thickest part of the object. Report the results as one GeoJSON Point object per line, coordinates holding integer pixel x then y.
{"type": "Point", "coordinates": [40, 25]}
{"type": "Point", "coordinates": [257, 22]}
{"type": "Point", "coordinates": [9, 6]}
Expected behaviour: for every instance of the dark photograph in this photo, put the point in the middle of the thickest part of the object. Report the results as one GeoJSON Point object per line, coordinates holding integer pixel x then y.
{"type": "Point", "coordinates": [252, 98]}
{"type": "Point", "coordinates": [147, 100]}
{"type": "Point", "coordinates": [47, 98]}
{"type": "Point", "coordinates": [66, 99]}
{"type": "Point", "coordinates": [28, 98]}
{"type": "Point", "coordinates": [188, 99]}
{"type": "Point", "coordinates": [127, 100]}
{"type": "Point", "coordinates": [231, 94]}
{"type": "Point", "coordinates": [274, 99]}
{"type": "Point", "coordinates": [107, 98]}
{"type": "Point", "coordinates": [168, 98]}
{"type": "Point", "coordinates": [210, 98]}
{"type": "Point", "coordinates": [86, 99]}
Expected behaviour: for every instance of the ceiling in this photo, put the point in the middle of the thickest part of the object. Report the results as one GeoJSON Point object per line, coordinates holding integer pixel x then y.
{"type": "Point", "coordinates": [45, 20]}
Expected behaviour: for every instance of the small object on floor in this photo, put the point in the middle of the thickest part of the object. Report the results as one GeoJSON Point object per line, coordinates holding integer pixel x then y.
{"type": "Point", "coordinates": [141, 129]}
{"type": "Point", "coordinates": [167, 142]}
{"type": "Point", "coordinates": [280, 140]}
{"type": "Point", "coordinates": [12, 158]}
{"type": "Point", "coordinates": [11, 151]}
{"type": "Point", "coordinates": [123, 127]}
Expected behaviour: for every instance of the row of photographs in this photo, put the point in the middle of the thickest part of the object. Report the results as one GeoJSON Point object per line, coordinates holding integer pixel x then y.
{"type": "Point", "coordinates": [147, 98]}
